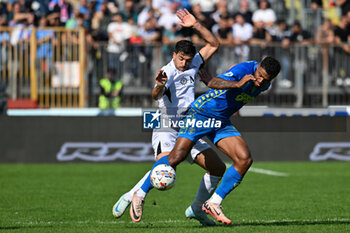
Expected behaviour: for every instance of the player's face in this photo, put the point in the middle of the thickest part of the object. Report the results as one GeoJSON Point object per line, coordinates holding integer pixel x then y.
{"type": "Point", "coordinates": [182, 61]}
{"type": "Point", "coordinates": [261, 76]}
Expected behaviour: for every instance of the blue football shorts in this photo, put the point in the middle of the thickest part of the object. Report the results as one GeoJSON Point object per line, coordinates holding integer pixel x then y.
{"type": "Point", "coordinates": [208, 127]}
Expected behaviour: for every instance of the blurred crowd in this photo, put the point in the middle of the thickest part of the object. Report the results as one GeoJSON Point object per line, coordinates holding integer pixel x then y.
{"type": "Point", "coordinates": [237, 23]}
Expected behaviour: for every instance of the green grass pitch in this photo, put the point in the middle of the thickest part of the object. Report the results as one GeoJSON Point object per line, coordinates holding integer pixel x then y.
{"type": "Point", "coordinates": [307, 197]}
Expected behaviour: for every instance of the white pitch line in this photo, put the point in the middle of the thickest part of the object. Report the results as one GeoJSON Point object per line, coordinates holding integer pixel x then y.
{"type": "Point", "coordinates": [267, 172]}
{"type": "Point", "coordinates": [263, 171]}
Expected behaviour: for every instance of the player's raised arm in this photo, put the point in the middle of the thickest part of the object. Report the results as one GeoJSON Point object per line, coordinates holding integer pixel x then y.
{"type": "Point", "coordinates": [161, 79]}
{"type": "Point", "coordinates": [219, 83]}
{"type": "Point", "coordinates": [212, 44]}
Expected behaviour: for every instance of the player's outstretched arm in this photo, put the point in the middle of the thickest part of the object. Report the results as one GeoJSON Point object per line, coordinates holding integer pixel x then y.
{"type": "Point", "coordinates": [212, 44]}
{"type": "Point", "coordinates": [161, 79]}
{"type": "Point", "coordinates": [219, 83]}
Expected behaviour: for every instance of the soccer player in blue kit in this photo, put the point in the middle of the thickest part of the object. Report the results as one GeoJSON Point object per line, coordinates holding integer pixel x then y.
{"type": "Point", "coordinates": [229, 92]}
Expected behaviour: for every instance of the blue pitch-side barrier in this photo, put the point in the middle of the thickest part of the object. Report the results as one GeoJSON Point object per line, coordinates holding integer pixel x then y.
{"type": "Point", "coordinates": [132, 112]}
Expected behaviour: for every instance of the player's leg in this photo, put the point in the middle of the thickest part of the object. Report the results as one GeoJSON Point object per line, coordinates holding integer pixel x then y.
{"type": "Point", "coordinates": [215, 168]}
{"type": "Point", "coordinates": [236, 148]}
{"type": "Point", "coordinates": [124, 201]}
{"type": "Point", "coordinates": [139, 195]}
{"type": "Point", "coordinates": [168, 139]}
{"type": "Point", "coordinates": [162, 142]}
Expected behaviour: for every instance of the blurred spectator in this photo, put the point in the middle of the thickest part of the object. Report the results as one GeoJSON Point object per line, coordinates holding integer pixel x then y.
{"type": "Point", "coordinates": [342, 39]}
{"type": "Point", "coordinates": [185, 4]}
{"type": "Point", "coordinates": [118, 33]}
{"type": "Point", "coordinates": [279, 7]}
{"type": "Point", "coordinates": [18, 15]}
{"type": "Point", "coordinates": [244, 10]}
{"type": "Point", "coordinates": [260, 36]}
{"type": "Point", "coordinates": [129, 11]}
{"type": "Point", "coordinates": [45, 41]}
{"type": "Point", "coordinates": [142, 20]}
{"type": "Point", "coordinates": [204, 19]}
{"type": "Point", "coordinates": [281, 34]}
{"type": "Point", "coordinates": [221, 11]}
{"type": "Point", "coordinates": [325, 34]}
{"type": "Point", "coordinates": [233, 5]}
{"type": "Point", "coordinates": [146, 13]}
{"type": "Point", "coordinates": [169, 39]}
{"type": "Point", "coordinates": [223, 31]}
{"type": "Point", "coordinates": [72, 22]}
{"type": "Point", "coordinates": [167, 20]}
{"type": "Point", "coordinates": [299, 35]}
{"type": "Point", "coordinates": [84, 8]}
{"type": "Point", "coordinates": [63, 7]}
{"type": "Point", "coordinates": [207, 6]}
{"type": "Point", "coordinates": [348, 22]}
{"type": "Point", "coordinates": [344, 6]}
{"type": "Point", "coordinates": [265, 14]}
{"type": "Point", "coordinates": [110, 96]}
{"type": "Point", "coordinates": [242, 32]}
{"type": "Point", "coordinates": [150, 35]}
{"type": "Point", "coordinates": [99, 23]}
{"type": "Point", "coordinates": [160, 6]}
{"type": "Point", "coordinates": [4, 41]}
{"type": "Point", "coordinates": [150, 32]}
{"type": "Point", "coordinates": [316, 4]}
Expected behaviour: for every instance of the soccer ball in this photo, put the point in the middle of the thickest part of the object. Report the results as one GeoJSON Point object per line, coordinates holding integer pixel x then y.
{"type": "Point", "coordinates": [163, 177]}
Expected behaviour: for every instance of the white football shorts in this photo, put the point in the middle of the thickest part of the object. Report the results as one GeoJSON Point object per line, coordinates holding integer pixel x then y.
{"type": "Point", "coordinates": [164, 141]}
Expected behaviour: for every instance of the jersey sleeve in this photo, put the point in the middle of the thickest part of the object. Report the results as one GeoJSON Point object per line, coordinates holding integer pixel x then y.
{"type": "Point", "coordinates": [197, 61]}
{"type": "Point", "coordinates": [229, 75]}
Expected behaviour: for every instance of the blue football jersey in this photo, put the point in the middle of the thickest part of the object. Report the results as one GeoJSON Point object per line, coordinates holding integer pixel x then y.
{"type": "Point", "coordinates": [221, 104]}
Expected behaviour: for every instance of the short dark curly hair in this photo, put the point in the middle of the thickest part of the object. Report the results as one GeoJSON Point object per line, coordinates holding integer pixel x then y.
{"type": "Point", "coordinates": [271, 66]}
{"type": "Point", "coordinates": [186, 47]}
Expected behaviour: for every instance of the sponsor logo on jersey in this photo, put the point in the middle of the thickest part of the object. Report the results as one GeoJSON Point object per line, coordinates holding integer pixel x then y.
{"type": "Point", "coordinates": [331, 150]}
{"type": "Point", "coordinates": [243, 97]}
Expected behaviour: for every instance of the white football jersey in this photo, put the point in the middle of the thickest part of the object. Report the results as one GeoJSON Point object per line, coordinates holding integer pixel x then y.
{"type": "Point", "coordinates": [180, 87]}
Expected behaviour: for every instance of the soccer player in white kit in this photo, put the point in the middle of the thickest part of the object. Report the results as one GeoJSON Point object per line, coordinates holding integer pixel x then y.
{"type": "Point", "coordinates": [174, 90]}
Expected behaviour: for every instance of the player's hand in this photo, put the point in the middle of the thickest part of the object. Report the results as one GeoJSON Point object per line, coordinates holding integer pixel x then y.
{"type": "Point", "coordinates": [241, 83]}
{"type": "Point", "coordinates": [161, 78]}
{"type": "Point", "coordinates": [187, 19]}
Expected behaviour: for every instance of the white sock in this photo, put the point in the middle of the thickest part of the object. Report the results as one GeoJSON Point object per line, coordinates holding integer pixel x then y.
{"type": "Point", "coordinates": [136, 187]}
{"type": "Point", "coordinates": [216, 199]}
{"type": "Point", "coordinates": [206, 189]}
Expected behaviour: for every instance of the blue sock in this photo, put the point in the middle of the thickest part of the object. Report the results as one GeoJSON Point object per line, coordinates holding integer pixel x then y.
{"type": "Point", "coordinates": [230, 180]}
{"type": "Point", "coordinates": [147, 186]}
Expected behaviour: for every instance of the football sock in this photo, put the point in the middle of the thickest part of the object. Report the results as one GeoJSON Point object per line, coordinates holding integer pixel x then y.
{"type": "Point", "coordinates": [206, 188]}
{"type": "Point", "coordinates": [230, 180]}
{"type": "Point", "coordinates": [147, 186]}
{"type": "Point", "coordinates": [136, 187]}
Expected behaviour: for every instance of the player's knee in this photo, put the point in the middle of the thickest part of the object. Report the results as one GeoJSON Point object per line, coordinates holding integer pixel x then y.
{"type": "Point", "coordinates": [245, 160]}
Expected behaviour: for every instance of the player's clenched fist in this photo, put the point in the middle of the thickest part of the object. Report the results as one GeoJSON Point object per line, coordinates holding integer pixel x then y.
{"type": "Point", "coordinates": [161, 78]}
{"type": "Point", "coordinates": [241, 83]}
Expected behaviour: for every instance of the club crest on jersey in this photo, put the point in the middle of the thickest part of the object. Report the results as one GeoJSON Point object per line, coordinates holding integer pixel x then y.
{"type": "Point", "coordinates": [184, 80]}
{"type": "Point", "coordinates": [229, 74]}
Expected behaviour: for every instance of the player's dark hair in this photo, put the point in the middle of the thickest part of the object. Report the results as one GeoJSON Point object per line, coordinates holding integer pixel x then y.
{"type": "Point", "coordinates": [271, 66]}
{"type": "Point", "coordinates": [186, 47]}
